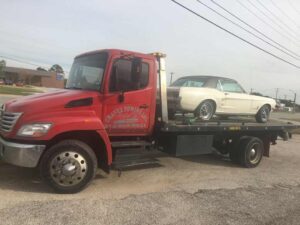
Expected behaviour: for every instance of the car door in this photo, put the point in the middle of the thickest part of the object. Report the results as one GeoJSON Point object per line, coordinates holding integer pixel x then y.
{"type": "Point", "coordinates": [236, 100]}
{"type": "Point", "coordinates": [126, 108]}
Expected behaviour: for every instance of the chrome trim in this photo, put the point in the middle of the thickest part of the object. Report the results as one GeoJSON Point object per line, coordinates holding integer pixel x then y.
{"type": "Point", "coordinates": [163, 87]}
{"type": "Point", "coordinates": [8, 119]}
{"type": "Point", "coordinates": [25, 155]}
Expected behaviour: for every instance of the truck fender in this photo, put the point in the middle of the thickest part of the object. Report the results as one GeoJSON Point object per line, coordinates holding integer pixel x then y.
{"type": "Point", "coordinates": [103, 134]}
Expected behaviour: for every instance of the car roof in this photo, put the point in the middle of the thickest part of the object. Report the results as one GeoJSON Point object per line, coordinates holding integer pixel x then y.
{"type": "Point", "coordinates": [206, 76]}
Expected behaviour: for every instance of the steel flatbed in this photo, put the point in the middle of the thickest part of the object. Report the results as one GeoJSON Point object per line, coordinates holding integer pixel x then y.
{"type": "Point", "coordinates": [228, 125]}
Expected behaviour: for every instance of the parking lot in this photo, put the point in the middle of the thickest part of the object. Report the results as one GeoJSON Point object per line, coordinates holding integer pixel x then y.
{"type": "Point", "coordinates": [192, 190]}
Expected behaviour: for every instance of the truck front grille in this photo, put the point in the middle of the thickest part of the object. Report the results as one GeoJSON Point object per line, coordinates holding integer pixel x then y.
{"type": "Point", "coordinates": [8, 120]}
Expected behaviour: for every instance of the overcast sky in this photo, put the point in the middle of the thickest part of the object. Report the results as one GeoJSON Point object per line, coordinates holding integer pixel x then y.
{"type": "Point", "coordinates": [54, 31]}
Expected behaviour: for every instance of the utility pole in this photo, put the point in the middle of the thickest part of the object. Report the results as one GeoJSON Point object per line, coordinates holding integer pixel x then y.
{"type": "Point", "coordinates": [251, 90]}
{"type": "Point", "coordinates": [276, 93]}
{"type": "Point", "coordinates": [295, 96]}
{"type": "Point", "coordinates": [171, 79]}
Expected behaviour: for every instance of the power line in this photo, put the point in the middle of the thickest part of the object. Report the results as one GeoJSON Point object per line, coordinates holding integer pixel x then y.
{"type": "Point", "coordinates": [275, 22]}
{"type": "Point", "coordinates": [262, 20]}
{"type": "Point", "coordinates": [235, 35]}
{"type": "Point", "coordinates": [258, 31]}
{"type": "Point", "coordinates": [293, 6]}
{"type": "Point", "coordinates": [283, 13]}
{"type": "Point", "coordinates": [276, 17]}
{"type": "Point", "coordinates": [23, 61]}
{"type": "Point", "coordinates": [248, 31]}
{"type": "Point", "coordinates": [18, 60]}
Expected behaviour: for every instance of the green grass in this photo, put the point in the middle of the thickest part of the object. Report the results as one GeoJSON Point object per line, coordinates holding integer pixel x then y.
{"type": "Point", "coordinates": [11, 90]}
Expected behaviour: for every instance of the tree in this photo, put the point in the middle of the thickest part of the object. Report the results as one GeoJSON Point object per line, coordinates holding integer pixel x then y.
{"type": "Point", "coordinates": [41, 69]}
{"type": "Point", "coordinates": [2, 65]}
{"type": "Point", "coordinates": [56, 68]}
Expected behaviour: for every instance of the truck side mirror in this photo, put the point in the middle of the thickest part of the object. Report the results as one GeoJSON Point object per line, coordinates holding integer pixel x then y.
{"type": "Point", "coordinates": [136, 69]}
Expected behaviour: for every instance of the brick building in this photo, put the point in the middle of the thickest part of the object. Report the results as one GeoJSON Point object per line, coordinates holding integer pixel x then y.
{"type": "Point", "coordinates": [33, 77]}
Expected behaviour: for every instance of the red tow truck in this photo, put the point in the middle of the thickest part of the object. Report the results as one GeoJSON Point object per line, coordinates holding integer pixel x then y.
{"type": "Point", "coordinates": [116, 100]}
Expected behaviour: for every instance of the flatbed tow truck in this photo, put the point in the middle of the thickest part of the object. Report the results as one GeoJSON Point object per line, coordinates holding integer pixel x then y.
{"type": "Point", "coordinates": [110, 106]}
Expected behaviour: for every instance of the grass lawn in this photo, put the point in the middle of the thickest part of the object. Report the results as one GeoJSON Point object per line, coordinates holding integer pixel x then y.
{"type": "Point", "coordinates": [11, 90]}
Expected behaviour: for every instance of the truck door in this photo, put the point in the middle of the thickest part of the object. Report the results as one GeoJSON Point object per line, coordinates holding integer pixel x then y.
{"type": "Point", "coordinates": [128, 101]}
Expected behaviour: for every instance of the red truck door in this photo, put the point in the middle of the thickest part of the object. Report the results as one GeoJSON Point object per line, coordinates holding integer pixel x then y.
{"type": "Point", "coordinates": [128, 101]}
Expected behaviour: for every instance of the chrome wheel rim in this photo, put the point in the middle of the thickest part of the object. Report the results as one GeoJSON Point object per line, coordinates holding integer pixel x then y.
{"type": "Point", "coordinates": [206, 111]}
{"type": "Point", "coordinates": [255, 153]}
{"type": "Point", "coordinates": [68, 168]}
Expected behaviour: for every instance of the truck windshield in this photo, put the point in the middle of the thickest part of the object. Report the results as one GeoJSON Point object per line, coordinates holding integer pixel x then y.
{"type": "Point", "coordinates": [87, 72]}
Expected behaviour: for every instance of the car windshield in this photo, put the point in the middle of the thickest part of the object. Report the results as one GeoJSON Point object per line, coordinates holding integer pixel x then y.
{"type": "Point", "coordinates": [190, 82]}
{"type": "Point", "coordinates": [87, 72]}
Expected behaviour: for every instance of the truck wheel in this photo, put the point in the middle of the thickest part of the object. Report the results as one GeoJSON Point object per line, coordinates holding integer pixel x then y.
{"type": "Point", "coordinates": [69, 166]}
{"type": "Point", "coordinates": [205, 110]}
{"type": "Point", "coordinates": [263, 114]}
{"type": "Point", "coordinates": [251, 151]}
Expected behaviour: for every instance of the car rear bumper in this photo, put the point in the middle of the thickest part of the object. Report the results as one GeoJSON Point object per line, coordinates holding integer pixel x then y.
{"type": "Point", "coordinates": [24, 155]}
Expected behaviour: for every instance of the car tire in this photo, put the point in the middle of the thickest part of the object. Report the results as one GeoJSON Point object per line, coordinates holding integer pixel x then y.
{"type": "Point", "coordinates": [69, 166]}
{"type": "Point", "coordinates": [205, 110]}
{"type": "Point", "coordinates": [263, 114]}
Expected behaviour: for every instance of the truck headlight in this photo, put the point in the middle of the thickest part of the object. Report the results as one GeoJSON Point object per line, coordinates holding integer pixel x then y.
{"type": "Point", "coordinates": [34, 130]}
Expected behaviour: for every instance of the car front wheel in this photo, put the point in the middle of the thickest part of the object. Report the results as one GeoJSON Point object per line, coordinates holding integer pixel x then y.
{"type": "Point", "coordinates": [263, 114]}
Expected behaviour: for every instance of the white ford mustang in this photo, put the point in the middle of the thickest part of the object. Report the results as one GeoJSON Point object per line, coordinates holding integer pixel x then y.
{"type": "Point", "coordinates": [206, 96]}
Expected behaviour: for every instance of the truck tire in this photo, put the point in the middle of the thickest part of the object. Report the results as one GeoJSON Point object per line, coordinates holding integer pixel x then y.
{"type": "Point", "coordinates": [263, 114]}
{"type": "Point", "coordinates": [69, 166]}
{"type": "Point", "coordinates": [251, 151]}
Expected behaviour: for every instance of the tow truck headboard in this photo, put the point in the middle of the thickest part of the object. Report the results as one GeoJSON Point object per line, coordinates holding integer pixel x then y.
{"type": "Point", "coordinates": [162, 85]}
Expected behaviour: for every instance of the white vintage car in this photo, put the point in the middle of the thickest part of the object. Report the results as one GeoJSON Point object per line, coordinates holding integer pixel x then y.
{"type": "Point", "coordinates": [206, 96]}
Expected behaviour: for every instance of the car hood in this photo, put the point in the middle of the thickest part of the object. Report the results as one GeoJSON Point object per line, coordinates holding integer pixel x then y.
{"type": "Point", "coordinates": [53, 101]}
{"type": "Point", "coordinates": [266, 99]}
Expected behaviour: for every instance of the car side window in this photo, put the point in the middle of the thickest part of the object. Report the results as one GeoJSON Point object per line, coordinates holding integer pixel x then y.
{"type": "Point", "coordinates": [121, 77]}
{"type": "Point", "coordinates": [231, 86]}
{"type": "Point", "coordinates": [219, 86]}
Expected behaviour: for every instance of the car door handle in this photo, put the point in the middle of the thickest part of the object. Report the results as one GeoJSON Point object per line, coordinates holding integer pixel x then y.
{"type": "Point", "coordinates": [226, 93]}
{"type": "Point", "coordinates": [144, 106]}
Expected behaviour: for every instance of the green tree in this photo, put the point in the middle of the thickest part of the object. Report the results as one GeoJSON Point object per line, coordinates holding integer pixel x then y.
{"type": "Point", "coordinates": [56, 68]}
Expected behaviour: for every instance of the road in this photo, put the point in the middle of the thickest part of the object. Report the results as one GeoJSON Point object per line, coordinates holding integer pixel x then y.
{"type": "Point", "coordinates": [192, 190]}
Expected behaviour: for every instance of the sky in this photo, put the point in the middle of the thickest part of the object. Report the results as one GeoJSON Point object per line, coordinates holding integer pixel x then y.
{"type": "Point", "coordinates": [43, 33]}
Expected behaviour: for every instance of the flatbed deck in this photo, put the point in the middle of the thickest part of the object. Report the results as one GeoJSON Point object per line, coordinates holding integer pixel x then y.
{"type": "Point", "coordinates": [183, 125]}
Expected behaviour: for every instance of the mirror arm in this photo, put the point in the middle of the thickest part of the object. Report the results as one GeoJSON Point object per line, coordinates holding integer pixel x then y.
{"type": "Point", "coordinates": [121, 97]}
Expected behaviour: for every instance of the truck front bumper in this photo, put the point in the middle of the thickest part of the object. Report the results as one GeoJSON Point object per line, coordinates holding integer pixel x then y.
{"type": "Point", "coordinates": [25, 155]}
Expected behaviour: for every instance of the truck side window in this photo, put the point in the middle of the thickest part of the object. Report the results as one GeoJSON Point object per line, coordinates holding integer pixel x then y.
{"type": "Point", "coordinates": [121, 79]}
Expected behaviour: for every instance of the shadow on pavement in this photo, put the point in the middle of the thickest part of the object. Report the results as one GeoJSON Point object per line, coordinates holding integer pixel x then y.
{"type": "Point", "coordinates": [21, 179]}
{"type": "Point", "coordinates": [214, 159]}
